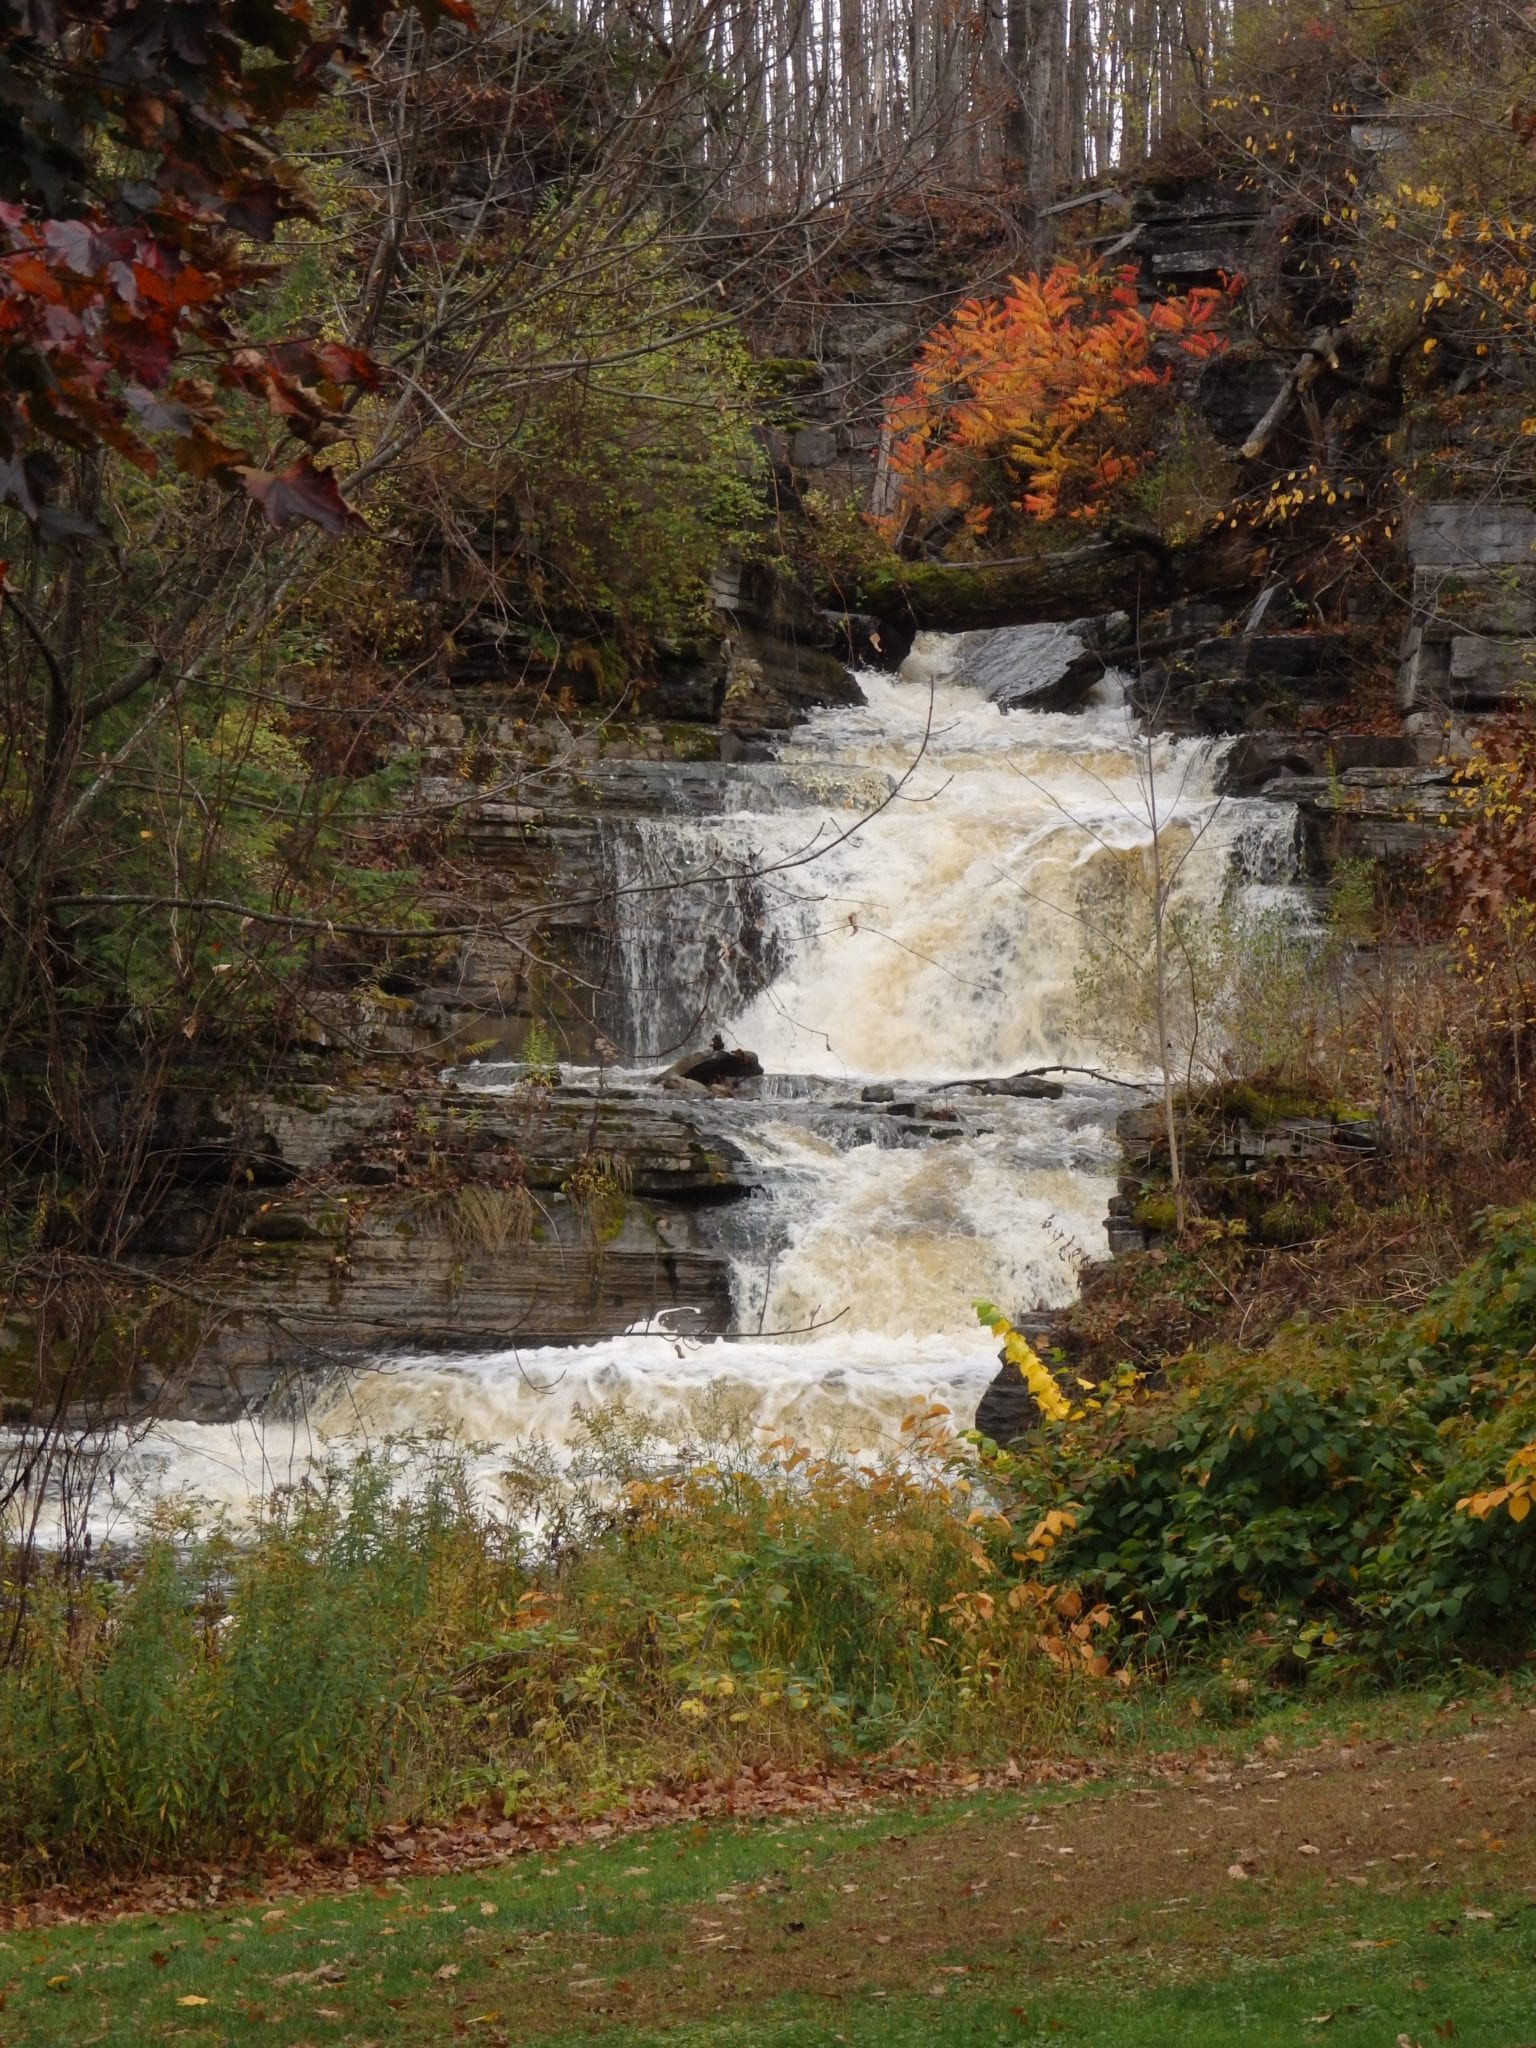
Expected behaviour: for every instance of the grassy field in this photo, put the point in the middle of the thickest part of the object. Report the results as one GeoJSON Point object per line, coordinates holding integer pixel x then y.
{"type": "Point", "coordinates": [1359, 1894]}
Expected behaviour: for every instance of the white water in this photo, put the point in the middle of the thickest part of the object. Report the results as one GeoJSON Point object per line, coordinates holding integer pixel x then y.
{"type": "Point", "coordinates": [901, 898]}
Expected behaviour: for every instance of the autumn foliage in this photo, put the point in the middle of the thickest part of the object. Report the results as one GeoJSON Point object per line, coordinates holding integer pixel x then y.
{"type": "Point", "coordinates": [138, 170]}
{"type": "Point", "coordinates": [1489, 868]}
{"type": "Point", "coordinates": [1030, 403]}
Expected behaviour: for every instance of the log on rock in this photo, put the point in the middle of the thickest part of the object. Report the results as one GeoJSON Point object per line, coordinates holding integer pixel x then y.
{"type": "Point", "coordinates": [721, 1064]}
{"type": "Point", "coordinates": [1027, 1087]}
{"type": "Point", "coordinates": [1125, 570]}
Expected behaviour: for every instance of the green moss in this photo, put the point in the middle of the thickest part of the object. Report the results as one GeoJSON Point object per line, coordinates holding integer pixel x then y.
{"type": "Point", "coordinates": [1155, 1212]}
{"type": "Point", "coordinates": [685, 742]}
{"type": "Point", "coordinates": [782, 373]}
{"type": "Point", "coordinates": [1262, 1106]}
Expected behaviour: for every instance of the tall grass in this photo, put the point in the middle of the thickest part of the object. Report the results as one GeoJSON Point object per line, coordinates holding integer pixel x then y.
{"type": "Point", "coordinates": [380, 1644]}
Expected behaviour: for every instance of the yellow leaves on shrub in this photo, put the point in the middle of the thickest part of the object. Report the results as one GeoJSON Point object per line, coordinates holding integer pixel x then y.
{"type": "Point", "coordinates": [1518, 1493]}
{"type": "Point", "coordinates": [1019, 1352]}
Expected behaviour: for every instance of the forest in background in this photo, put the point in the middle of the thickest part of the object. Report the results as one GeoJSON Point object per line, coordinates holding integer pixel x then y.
{"type": "Point", "coordinates": [337, 340]}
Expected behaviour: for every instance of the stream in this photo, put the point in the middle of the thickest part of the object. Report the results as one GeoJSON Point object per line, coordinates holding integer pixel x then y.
{"type": "Point", "coordinates": [897, 903]}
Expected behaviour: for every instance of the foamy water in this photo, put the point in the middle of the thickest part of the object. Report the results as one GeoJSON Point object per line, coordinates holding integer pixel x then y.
{"type": "Point", "coordinates": [902, 897]}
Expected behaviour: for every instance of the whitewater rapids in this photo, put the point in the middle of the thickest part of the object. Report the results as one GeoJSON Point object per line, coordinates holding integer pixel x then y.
{"type": "Point", "coordinates": [900, 898]}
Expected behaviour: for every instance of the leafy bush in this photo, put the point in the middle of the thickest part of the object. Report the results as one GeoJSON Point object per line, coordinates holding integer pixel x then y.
{"type": "Point", "coordinates": [1028, 404]}
{"type": "Point", "coordinates": [1308, 1494]}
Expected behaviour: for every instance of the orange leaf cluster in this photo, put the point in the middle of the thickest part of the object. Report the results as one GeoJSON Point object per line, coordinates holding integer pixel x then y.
{"type": "Point", "coordinates": [1026, 401]}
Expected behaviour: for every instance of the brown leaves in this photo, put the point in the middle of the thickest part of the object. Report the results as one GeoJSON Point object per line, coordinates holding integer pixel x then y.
{"type": "Point", "coordinates": [299, 493]}
{"type": "Point", "coordinates": [760, 1792]}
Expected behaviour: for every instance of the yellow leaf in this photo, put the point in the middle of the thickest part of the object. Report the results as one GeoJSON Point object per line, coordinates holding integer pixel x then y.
{"type": "Point", "coordinates": [1519, 1507]}
{"type": "Point", "coordinates": [192, 1998]}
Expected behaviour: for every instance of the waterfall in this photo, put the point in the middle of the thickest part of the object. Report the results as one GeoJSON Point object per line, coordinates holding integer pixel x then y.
{"type": "Point", "coordinates": [905, 899]}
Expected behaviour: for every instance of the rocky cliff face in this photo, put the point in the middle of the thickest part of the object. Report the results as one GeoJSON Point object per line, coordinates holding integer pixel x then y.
{"type": "Point", "coordinates": [380, 1214]}
{"type": "Point", "coordinates": [381, 1210]}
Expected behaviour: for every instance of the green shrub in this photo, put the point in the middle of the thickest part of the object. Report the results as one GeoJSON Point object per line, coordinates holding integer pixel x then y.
{"type": "Point", "coordinates": [1306, 1494]}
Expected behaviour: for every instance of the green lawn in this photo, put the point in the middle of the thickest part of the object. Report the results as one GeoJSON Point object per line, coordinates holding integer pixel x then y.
{"type": "Point", "coordinates": [946, 1927]}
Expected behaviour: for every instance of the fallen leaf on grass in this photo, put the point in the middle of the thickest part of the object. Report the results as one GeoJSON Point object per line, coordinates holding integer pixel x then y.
{"type": "Point", "coordinates": [1475, 1913]}
{"type": "Point", "coordinates": [61, 1983]}
{"type": "Point", "coordinates": [446, 1973]}
{"type": "Point", "coordinates": [1320, 2019]}
{"type": "Point", "coordinates": [192, 1998]}
{"type": "Point", "coordinates": [1236, 1870]}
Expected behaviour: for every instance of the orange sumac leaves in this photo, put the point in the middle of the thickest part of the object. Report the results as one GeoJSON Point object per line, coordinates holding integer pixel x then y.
{"type": "Point", "coordinates": [1031, 403]}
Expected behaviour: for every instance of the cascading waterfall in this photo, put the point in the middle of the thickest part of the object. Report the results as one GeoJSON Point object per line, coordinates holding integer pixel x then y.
{"type": "Point", "coordinates": [922, 873]}
{"type": "Point", "coordinates": [903, 900]}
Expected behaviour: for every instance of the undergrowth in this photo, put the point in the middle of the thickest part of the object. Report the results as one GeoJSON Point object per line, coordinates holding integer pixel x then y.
{"type": "Point", "coordinates": [385, 1643]}
{"type": "Point", "coordinates": [382, 1645]}
{"type": "Point", "coordinates": [1306, 1503]}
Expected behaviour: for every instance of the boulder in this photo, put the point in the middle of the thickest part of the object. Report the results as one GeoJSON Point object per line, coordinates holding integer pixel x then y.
{"type": "Point", "coordinates": [1025, 1087]}
{"type": "Point", "coordinates": [720, 1065]}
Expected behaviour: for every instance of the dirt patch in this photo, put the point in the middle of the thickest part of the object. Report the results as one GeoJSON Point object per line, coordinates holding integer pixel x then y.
{"type": "Point", "coordinates": [989, 1888]}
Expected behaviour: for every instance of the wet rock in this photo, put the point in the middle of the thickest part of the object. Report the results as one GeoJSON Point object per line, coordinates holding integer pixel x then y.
{"type": "Point", "coordinates": [882, 1091]}
{"type": "Point", "coordinates": [1259, 762]}
{"type": "Point", "coordinates": [1026, 668]}
{"type": "Point", "coordinates": [1007, 1410]}
{"type": "Point", "coordinates": [345, 1264]}
{"type": "Point", "coordinates": [856, 637]}
{"type": "Point", "coordinates": [1232, 682]}
{"type": "Point", "coordinates": [1023, 1087]}
{"type": "Point", "coordinates": [721, 1065]}
{"type": "Point", "coordinates": [1391, 814]}
{"type": "Point", "coordinates": [774, 683]}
